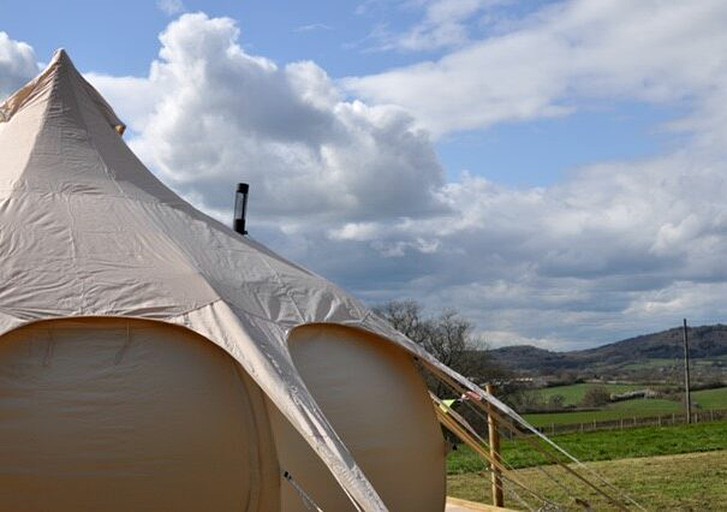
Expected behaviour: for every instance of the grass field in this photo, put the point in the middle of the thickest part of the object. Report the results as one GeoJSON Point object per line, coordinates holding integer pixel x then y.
{"type": "Point", "coordinates": [677, 483]}
{"type": "Point", "coordinates": [620, 410]}
{"type": "Point", "coordinates": [639, 408]}
{"type": "Point", "coordinates": [573, 394]}
{"type": "Point", "coordinates": [674, 468]}
{"type": "Point", "coordinates": [605, 445]}
{"type": "Point", "coordinates": [711, 398]}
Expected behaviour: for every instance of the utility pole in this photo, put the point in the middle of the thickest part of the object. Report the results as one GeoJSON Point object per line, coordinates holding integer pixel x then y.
{"type": "Point", "coordinates": [687, 391]}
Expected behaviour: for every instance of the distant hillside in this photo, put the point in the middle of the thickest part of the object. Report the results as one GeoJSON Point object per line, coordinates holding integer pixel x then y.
{"type": "Point", "coordinates": [649, 355]}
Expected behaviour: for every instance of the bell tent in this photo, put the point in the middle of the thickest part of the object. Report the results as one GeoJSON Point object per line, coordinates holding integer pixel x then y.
{"type": "Point", "coordinates": [153, 359]}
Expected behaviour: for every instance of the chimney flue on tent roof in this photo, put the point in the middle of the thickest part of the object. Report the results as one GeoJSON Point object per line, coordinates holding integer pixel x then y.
{"type": "Point", "coordinates": [241, 208]}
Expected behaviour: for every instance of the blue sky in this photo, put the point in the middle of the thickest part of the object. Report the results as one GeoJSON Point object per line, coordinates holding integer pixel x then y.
{"type": "Point", "coordinates": [553, 170]}
{"type": "Point", "coordinates": [346, 39]}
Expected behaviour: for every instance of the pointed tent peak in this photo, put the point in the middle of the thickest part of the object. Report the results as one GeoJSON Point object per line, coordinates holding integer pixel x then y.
{"type": "Point", "coordinates": [58, 73]}
{"type": "Point", "coordinates": [60, 53]}
{"type": "Point", "coordinates": [58, 110]}
{"type": "Point", "coordinates": [60, 63]}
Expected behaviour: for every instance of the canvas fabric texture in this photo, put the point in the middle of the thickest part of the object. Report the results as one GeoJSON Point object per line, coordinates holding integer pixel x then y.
{"type": "Point", "coordinates": [88, 232]}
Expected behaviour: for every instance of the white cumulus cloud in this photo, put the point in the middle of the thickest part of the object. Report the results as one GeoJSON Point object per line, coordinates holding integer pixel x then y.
{"type": "Point", "coordinates": [566, 52]}
{"type": "Point", "coordinates": [347, 181]}
{"type": "Point", "coordinates": [17, 64]}
{"type": "Point", "coordinates": [224, 115]}
{"type": "Point", "coordinates": [355, 189]}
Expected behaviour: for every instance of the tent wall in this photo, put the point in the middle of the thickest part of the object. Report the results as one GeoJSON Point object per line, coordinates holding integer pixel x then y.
{"type": "Point", "coordinates": [96, 411]}
{"type": "Point", "coordinates": [377, 402]}
{"type": "Point", "coordinates": [119, 415]}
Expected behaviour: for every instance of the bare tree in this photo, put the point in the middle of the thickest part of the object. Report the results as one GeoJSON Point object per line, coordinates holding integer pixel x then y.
{"type": "Point", "coordinates": [447, 336]}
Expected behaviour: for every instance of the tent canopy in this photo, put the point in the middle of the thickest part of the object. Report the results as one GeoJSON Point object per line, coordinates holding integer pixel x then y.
{"type": "Point", "coordinates": [89, 232]}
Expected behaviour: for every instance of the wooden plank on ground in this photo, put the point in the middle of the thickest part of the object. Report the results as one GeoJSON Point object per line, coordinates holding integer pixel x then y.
{"type": "Point", "coordinates": [459, 505]}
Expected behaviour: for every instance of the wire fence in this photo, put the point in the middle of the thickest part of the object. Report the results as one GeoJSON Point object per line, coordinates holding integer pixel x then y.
{"type": "Point", "coordinates": [627, 422]}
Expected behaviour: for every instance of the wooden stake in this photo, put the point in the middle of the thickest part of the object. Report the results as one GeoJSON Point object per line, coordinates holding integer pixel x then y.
{"type": "Point", "coordinates": [494, 438]}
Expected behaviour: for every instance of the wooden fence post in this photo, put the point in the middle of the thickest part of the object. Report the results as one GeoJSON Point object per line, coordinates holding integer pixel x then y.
{"type": "Point", "coordinates": [494, 437]}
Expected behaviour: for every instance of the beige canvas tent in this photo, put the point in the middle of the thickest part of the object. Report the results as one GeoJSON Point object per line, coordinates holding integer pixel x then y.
{"type": "Point", "coordinates": [153, 359]}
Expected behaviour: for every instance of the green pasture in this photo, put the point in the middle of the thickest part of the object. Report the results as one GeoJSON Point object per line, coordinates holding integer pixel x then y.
{"type": "Point", "coordinates": [715, 399]}
{"type": "Point", "coordinates": [573, 394]}
{"type": "Point", "coordinates": [666, 468]}
{"type": "Point", "coordinates": [603, 445]}
{"type": "Point", "coordinates": [641, 408]}
{"type": "Point", "coordinates": [711, 398]}
{"type": "Point", "coordinates": [687, 482]}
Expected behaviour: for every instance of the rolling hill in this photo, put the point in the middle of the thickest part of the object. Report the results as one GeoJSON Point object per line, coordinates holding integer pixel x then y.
{"type": "Point", "coordinates": [650, 356]}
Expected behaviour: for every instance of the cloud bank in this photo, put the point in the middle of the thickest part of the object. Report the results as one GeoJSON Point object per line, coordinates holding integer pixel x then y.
{"type": "Point", "coordinates": [17, 64]}
{"type": "Point", "coordinates": [222, 115]}
{"type": "Point", "coordinates": [345, 178]}
{"type": "Point", "coordinates": [550, 61]}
